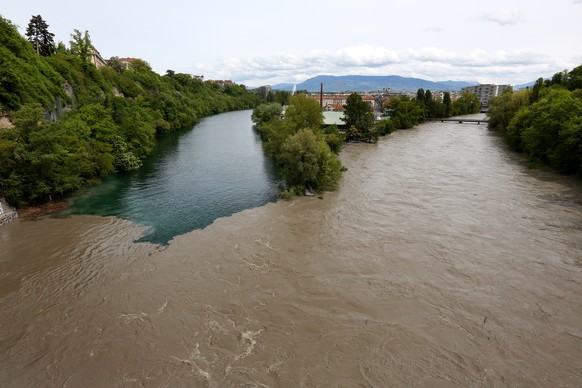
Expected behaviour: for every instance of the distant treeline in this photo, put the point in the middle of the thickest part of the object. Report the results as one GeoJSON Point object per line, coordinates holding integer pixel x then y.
{"type": "Point", "coordinates": [406, 113]}
{"type": "Point", "coordinates": [306, 150]}
{"type": "Point", "coordinates": [544, 121]}
{"type": "Point", "coordinates": [74, 123]}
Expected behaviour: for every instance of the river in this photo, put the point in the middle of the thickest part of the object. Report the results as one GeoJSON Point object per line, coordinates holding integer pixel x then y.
{"type": "Point", "coordinates": [441, 261]}
{"type": "Point", "coordinates": [192, 178]}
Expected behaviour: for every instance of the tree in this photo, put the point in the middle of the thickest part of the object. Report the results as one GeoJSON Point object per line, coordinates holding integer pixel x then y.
{"type": "Point", "coordinates": [304, 112]}
{"type": "Point", "coordinates": [551, 130]}
{"type": "Point", "coordinates": [468, 103]}
{"type": "Point", "coordinates": [501, 111]}
{"type": "Point", "coordinates": [574, 78]}
{"type": "Point", "coordinates": [533, 97]}
{"type": "Point", "coordinates": [448, 104]}
{"type": "Point", "coordinates": [38, 34]}
{"type": "Point", "coordinates": [405, 113]}
{"type": "Point", "coordinates": [81, 45]}
{"type": "Point", "coordinates": [265, 112]}
{"type": "Point", "coordinates": [307, 161]}
{"type": "Point", "coordinates": [358, 115]}
{"type": "Point", "coordinates": [420, 96]}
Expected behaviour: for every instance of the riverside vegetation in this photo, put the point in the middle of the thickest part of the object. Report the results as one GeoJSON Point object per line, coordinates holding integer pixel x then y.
{"type": "Point", "coordinates": [74, 123]}
{"type": "Point", "coordinates": [544, 122]}
{"type": "Point", "coordinates": [306, 152]}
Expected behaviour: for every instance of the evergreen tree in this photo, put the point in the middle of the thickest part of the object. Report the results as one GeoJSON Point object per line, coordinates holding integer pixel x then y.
{"type": "Point", "coordinates": [38, 34]}
{"type": "Point", "coordinates": [420, 96]}
{"type": "Point", "coordinates": [448, 104]}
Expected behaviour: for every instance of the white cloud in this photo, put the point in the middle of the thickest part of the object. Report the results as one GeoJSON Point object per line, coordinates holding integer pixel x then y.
{"type": "Point", "coordinates": [503, 16]}
{"type": "Point", "coordinates": [431, 63]}
{"type": "Point", "coordinates": [437, 29]}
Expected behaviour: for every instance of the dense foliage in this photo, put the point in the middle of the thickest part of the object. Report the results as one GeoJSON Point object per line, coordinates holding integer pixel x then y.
{"type": "Point", "coordinates": [544, 122]}
{"type": "Point", "coordinates": [407, 113]}
{"type": "Point", "coordinates": [74, 123]}
{"type": "Point", "coordinates": [305, 153]}
{"type": "Point", "coordinates": [359, 119]}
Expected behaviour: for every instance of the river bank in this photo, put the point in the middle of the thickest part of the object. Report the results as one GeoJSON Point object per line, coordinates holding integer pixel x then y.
{"type": "Point", "coordinates": [7, 214]}
{"type": "Point", "coordinates": [440, 261]}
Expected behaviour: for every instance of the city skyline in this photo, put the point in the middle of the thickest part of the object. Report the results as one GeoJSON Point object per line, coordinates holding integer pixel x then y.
{"type": "Point", "coordinates": [260, 43]}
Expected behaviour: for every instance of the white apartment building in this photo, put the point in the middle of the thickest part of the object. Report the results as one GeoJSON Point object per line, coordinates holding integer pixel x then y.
{"type": "Point", "coordinates": [486, 92]}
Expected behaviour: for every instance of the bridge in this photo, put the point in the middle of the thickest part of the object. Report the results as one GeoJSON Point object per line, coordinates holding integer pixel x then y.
{"type": "Point", "coordinates": [460, 120]}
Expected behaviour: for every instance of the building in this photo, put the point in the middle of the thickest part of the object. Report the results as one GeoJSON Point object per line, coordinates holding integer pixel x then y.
{"type": "Point", "coordinates": [333, 108]}
{"type": "Point", "coordinates": [486, 92]}
{"type": "Point", "coordinates": [126, 62]}
{"type": "Point", "coordinates": [96, 58]}
{"type": "Point", "coordinates": [334, 118]}
{"type": "Point", "coordinates": [264, 90]}
{"type": "Point", "coordinates": [329, 99]}
{"type": "Point", "coordinates": [336, 102]}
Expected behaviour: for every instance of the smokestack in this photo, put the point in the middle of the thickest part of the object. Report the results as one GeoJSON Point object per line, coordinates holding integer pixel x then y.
{"type": "Point", "coordinates": [321, 95]}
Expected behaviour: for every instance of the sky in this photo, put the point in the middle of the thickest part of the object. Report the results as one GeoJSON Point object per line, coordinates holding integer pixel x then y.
{"type": "Point", "coordinates": [265, 42]}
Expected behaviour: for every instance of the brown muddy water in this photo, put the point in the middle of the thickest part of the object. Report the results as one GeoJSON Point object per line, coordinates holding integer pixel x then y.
{"type": "Point", "coordinates": [440, 262]}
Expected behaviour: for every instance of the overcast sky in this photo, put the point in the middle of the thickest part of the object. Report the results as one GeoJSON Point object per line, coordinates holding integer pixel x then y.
{"type": "Point", "coordinates": [262, 42]}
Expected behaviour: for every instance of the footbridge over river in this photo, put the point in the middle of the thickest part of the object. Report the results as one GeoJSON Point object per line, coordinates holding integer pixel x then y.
{"type": "Point", "coordinates": [460, 120]}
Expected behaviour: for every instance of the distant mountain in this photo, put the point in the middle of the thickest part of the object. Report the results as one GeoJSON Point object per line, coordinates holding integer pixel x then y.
{"type": "Point", "coordinates": [362, 83]}
{"type": "Point", "coordinates": [527, 85]}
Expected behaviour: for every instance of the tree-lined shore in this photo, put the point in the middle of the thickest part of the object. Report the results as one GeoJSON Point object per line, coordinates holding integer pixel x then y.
{"type": "Point", "coordinates": [306, 150]}
{"type": "Point", "coordinates": [544, 121]}
{"type": "Point", "coordinates": [73, 123]}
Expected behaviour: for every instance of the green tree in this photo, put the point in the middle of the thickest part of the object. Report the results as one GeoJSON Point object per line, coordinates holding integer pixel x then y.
{"type": "Point", "coordinates": [533, 97]}
{"type": "Point", "coordinates": [405, 113]}
{"type": "Point", "coordinates": [574, 78]}
{"type": "Point", "coordinates": [334, 138]}
{"type": "Point", "coordinates": [467, 103]}
{"type": "Point", "coordinates": [46, 158]}
{"type": "Point", "coordinates": [384, 127]}
{"type": "Point", "coordinates": [304, 112]}
{"type": "Point", "coordinates": [448, 107]}
{"type": "Point", "coordinates": [551, 130]}
{"type": "Point", "coordinates": [501, 111]}
{"type": "Point", "coordinates": [81, 45]}
{"type": "Point", "coordinates": [307, 161]}
{"type": "Point", "coordinates": [420, 96]}
{"type": "Point", "coordinates": [25, 77]}
{"type": "Point", "coordinates": [40, 37]}
{"type": "Point", "coordinates": [266, 112]}
{"type": "Point", "coordinates": [359, 118]}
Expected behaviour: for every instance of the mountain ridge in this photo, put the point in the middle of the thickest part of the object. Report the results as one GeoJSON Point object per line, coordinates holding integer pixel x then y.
{"type": "Point", "coordinates": [362, 83]}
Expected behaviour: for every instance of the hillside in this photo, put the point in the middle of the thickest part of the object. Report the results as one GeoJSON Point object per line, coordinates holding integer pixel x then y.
{"type": "Point", "coordinates": [361, 83]}
{"type": "Point", "coordinates": [74, 123]}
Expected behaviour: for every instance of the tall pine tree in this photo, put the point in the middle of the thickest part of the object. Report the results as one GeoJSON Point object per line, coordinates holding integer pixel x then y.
{"type": "Point", "coordinates": [40, 37]}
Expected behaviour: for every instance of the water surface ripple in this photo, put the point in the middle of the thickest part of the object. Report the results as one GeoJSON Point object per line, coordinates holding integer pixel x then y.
{"type": "Point", "coordinates": [440, 262]}
{"type": "Point", "coordinates": [192, 178]}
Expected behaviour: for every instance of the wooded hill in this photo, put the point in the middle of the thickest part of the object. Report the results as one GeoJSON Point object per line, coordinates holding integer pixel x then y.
{"type": "Point", "coordinates": [73, 123]}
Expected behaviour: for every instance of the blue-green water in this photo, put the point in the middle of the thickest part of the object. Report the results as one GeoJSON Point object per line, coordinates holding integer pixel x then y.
{"type": "Point", "coordinates": [192, 178]}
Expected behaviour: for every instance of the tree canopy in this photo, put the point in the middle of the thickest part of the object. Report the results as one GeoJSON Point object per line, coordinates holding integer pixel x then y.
{"type": "Point", "coordinates": [303, 112]}
{"type": "Point", "coordinates": [305, 154]}
{"type": "Point", "coordinates": [544, 122]}
{"type": "Point", "coordinates": [40, 37]}
{"type": "Point", "coordinates": [359, 119]}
